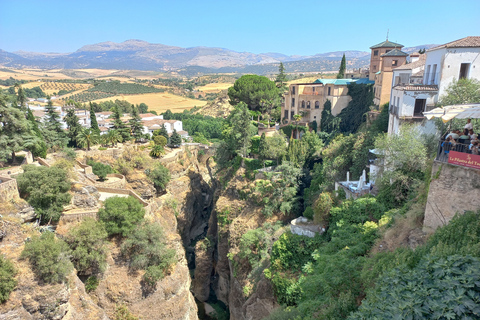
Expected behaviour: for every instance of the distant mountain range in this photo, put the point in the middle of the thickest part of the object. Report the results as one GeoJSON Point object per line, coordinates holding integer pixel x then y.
{"type": "Point", "coordinates": [142, 55]}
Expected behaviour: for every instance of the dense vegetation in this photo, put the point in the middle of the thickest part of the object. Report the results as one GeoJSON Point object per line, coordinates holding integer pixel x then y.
{"type": "Point", "coordinates": [7, 280]}
{"type": "Point", "coordinates": [121, 215]}
{"type": "Point", "coordinates": [197, 124]}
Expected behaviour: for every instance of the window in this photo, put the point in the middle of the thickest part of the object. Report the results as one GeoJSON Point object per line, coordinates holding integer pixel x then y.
{"type": "Point", "coordinates": [375, 52]}
{"type": "Point", "coordinates": [419, 107]}
{"type": "Point", "coordinates": [329, 91]}
{"type": "Point", "coordinates": [313, 89]}
{"type": "Point", "coordinates": [394, 63]}
{"type": "Point", "coordinates": [292, 113]}
{"type": "Point", "coordinates": [464, 67]}
{"type": "Point", "coordinates": [286, 114]}
{"type": "Point", "coordinates": [303, 104]}
{"type": "Point", "coordinates": [434, 71]}
{"type": "Point", "coordinates": [374, 67]}
{"type": "Point", "coordinates": [427, 74]}
{"type": "Point", "coordinates": [293, 90]}
{"type": "Point", "coordinates": [317, 105]}
{"type": "Point", "coordinates": [293, 102]}
{"type": "Point", "coordinates": [308, 104]}
{"type": "Point", "coordinates": [388, 50]}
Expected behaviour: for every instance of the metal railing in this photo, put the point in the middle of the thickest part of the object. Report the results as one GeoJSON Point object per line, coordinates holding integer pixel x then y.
{"type": "Point", "coordinates": [445, 147]}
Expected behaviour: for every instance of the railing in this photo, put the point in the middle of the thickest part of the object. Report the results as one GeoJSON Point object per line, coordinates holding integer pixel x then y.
{"type": "Point", "coordinates": [444, 149]}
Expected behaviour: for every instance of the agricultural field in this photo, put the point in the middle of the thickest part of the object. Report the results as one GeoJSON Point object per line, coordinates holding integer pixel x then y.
{"type": "Point", "coordinates": [55, 87]}
{"type": "Point", "coordinates": [214, 87]}
{"type": "Point", "coordinates": [159, 102]}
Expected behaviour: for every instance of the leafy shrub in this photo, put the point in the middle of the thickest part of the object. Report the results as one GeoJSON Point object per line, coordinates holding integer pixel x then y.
{"type": "Point", "coordinates": [160, 140]}
{"type": "Point", "coordinates": [100, 169]}
{"type": "Point", "coordinates": [7, 280]}
{"type": "Point", "coordinates": [160, 176]}
{"type": "Point", "coordinates": [308, 213]}
{"type": "Point", "coordinates": [322, 207]}
{"type": "Point", "coordinates": [49, 257]}
{"type": "Point", "coordinates": [120, 215]}
{"type": "Point", "coordinates": [122, 313]}
{"type": "Point", "coordinates": [87, 242]}
{"type": "Point", "coordinates": [146, 248]}
{"type": "Point", "coordinates": [438, 288]}
{"type": "Point", "coordinates": [91, 284]}
{"type": "Point", "coordinates": [157, 150]}
{"type": "Point", "coordinates": [45, 189]}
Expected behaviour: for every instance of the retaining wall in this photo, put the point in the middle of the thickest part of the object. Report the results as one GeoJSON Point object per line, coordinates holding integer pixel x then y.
{"type": "Point", "coordinates": [118, 184]}
{"type": "Point", "coordinates": [453, 189]}
{"type": "Point", "coordinates": [8, 189]}
{"type": "Point", "coordinates": [43, 162]}
{"type": "Point", "coordinates": [86, 168]}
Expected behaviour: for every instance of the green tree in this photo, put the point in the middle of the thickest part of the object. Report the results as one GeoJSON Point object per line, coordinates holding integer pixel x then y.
{"type": "Point", "coordinates": [74, 127]}
{"type": "Point", "coordinates": [142, 108]}
{"type": "Point", "coordinates": [461, 91]}
{"type": "Point", "coordinates": [54, 134]}
{"type": "Point", "coordinates": [160, 176]}
{"type": "Point", "coordinates": [87, 242]}
{"type": "Point", "coordinates": [162, 132]}
{"type": "Point", "coordinates": [45, 189]}
{"type": "Point", "coordinates": [93, 120]}
{"type": "Point", "coordinates": [119, 125]}
{"type": "Point", "coordinates": [251, 89]}
{"type": "Point", "coordinates": [21, 97]}
{"type": "Point", "coordinates": [328, 122]}
{"type": "Point", "coordinates": [16, 132]}
{"type": "Point", "coordinates": [100, 169]}
{"type": "Point", "coordinates": [262, 147]}
{"type": "Point", "coordinates": [39, 149]}
{"type": "Point", "coordinates": [120, 215]}
{"type": "Point", "coordinates": [7, 278]}
{"type": "Point", "coordinates": [136, 125]}
{"type": "Point", "coordinates": [175, 139]}
{"type": "Point", "coordinates": [343, 67]}
{"type": "Point", "coordinates": [276, 146]}
{"type": "Point", "coordinates": [281, 79]}
{"type": "Point", "coordinates": [113, 137]}
{"type": "Point", "coordinates": [49, 257]}
{"type": "Point", "coordinates": [160, 140]}
{"type": "Point", "coordinates": [146, 248]}
{"type": "Point", "coordinates": [87, 137]}
{"type": "Point", "coordinates": [157, 151]}
{"type": "Point", "coordinates": [354, 114]}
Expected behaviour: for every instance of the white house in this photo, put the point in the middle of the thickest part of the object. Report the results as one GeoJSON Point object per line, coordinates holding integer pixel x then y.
{"type": "Point", "coordinates": [418, 86]}
{"type": "Point", "coordinates": [149, 126]}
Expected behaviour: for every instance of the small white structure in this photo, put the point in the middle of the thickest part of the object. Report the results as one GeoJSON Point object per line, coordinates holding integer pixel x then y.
{"type": "Point", "coordinates": [304, 227]}
{"type": "Point", "coordinates": [354, 189]}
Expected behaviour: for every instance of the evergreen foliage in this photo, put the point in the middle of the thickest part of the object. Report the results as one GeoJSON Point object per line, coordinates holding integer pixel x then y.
{"type": "Point", "coordinates": [93, 120]}
{"type": "Point", "coordinates": [461, 91]}
{"type": "Point", "coordinates": [251, 89]}
{"type": "Point", "coordinates": [55, 136]}
{"type": "Point", "coordinates": [136, 125]}
{"type": "Point", "coordinates": [45, 189]}
{"type": "Point", "coordinates": [160, 140]}
{"type": "Point", "coordinates": [342, 69]}
{"type": "Point", "coordinates": [74, 127]}
{"type": "Point", "coordinates": [157, 150]}
{"type": "Point", "coordinates": [175, 139]}
{"type": "Point", "coordinates": [7, 278]}
{"type": "Point", "coordinates": [354, 114]}
{"type": "Point", "coordinates": [160, 176]}
{"type": "Point", "coordinates": [161, 132]}
{"type": "Point", "coordinates": [119, 125]}
{"type": "Point", "coordinates": [121, 215]}
{"type": "Point", "coordinates": [100, 169]}
{"type": "Point", "coordinates": [87, 242]}
{"type": "Point", "coordinates": [281, 79]}
{"type": "Point", "coordinates": [87, 137]}
{"type": "Point", "coordinates": [38, 149]}
{"type": "Point", "coordinates": [49, 257]}
{"type": "Point", "coordinates": [328, 122]}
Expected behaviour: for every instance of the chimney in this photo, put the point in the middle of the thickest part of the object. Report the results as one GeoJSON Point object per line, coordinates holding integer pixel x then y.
{"type": "Point", "coordinates": [414, 57]}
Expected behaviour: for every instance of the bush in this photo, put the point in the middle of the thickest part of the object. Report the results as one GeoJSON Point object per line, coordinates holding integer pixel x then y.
{"type": "Point", "coordinates": [49, 257]}
{"type": "Point", "coordinates": [7, 280]}
{"type": "Point", "coordinates": [122, 313]}
{"type": "Point", "coordinates": [308, 213]}
{"type": "Point", "coordinates": [146, 248]}
{"type": "Point", "coordinates": [100, 169]}
{"type": "Point", "coordinates": [322, 207]}
{"type": "Point", "coordinates": [45, 189]}
{"type": "Point", "coordinates": [120, 215]}
{"type": "Point", "coordinates": [87, 242]}
{"type": "Point", "coordinates": [160, 176]}
{"type": "Point", "coordinates": [160, 140]}
{"type": "Point", "coordinates": [91, 284]}
{"type": "Point", "coordinates": [157, 150]}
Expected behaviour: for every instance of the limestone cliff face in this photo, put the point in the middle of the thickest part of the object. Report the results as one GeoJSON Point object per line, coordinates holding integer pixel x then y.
{"type": "Point", "coordinates": [35, 300]}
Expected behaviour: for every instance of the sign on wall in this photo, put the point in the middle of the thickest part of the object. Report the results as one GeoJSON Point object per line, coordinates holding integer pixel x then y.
{"type": "Point", "coordinates": [464, 159]}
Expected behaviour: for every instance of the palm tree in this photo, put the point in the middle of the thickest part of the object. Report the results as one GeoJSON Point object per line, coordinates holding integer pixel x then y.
{"type": "Point", "coordinates": [87, 137]}
{"type": "Point", "coordinates": [113, 136]}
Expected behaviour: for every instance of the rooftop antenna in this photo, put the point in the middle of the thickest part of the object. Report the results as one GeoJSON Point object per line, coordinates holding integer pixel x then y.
{"type": "Point", "coordinates": [388, 30]}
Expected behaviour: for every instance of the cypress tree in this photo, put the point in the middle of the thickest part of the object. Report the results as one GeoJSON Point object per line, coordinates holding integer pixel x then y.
{"type": "Point", "coordinates": [343, 67]}
{"type": "Point", "coordinates": [73, 126]}
{"type": "Point", "coordinates": [175, 140]}
{"type": "Point", "coordinates": [53, 131]}
{"type": "Point", "coordinates": [281, 79]}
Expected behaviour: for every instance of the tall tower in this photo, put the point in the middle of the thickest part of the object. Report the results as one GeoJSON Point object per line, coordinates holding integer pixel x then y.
{"type": "Point", "coordinates": [376, 56]}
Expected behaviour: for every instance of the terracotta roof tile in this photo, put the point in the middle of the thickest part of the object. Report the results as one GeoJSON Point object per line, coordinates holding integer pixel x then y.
{"type": "Point", "coordinates": [413, 65]}
{"type": "Point", "coordinates": [467, 42]}
{"type": "Point", "coordinates": [421, 87]}
{"type": "Point", "coordinates": [387, 44]}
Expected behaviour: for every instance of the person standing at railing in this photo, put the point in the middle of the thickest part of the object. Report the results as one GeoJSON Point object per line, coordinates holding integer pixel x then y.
{"type": "Point", "coordinates": [465, 135]}
{"type": "Point", "coordinates": [469, 125]}
{"type": "Point", "coordinates": [447, 145]}
{"type": "Point", "coordinates": [475, 148]}
{"type": "Point", "coordinates": [473, 136]}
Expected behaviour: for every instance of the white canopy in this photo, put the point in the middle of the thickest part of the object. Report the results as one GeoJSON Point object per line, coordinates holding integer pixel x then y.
{"type": "Point", "coordinates": [460, 111]}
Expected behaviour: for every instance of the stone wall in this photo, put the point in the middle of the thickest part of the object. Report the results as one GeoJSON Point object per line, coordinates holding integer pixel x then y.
{"type": "Point", "coordinates": [86, 168]}
{"type": "Point", "coordinates": [453, 189]}
{"type": "Point", "coordinates": [8, 189]}
{"type": "Point", "coordinates": [120, 183]}
{"type": "Point", "coordinates": [43, 162]}
{"type": "Point", "coordinates": [303, 227]}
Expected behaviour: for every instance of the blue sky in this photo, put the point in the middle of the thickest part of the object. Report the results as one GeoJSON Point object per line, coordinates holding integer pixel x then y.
{"type": "Point", "coordinates": [289, 27]}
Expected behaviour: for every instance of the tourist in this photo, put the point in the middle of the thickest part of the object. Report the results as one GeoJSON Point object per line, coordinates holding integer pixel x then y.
{"type": "Point", "coordinates": [465, 135]}
{"type": "Point", "coordinates": [447, 145]}
{"type": "Point", "coordinates": [473, 136]}
{"type": "Point", "coordinates": [452, 134]}
{"type": "Point", "coordinates": [469, 125]}
{"type": "Point", "coordinates": [475, 148]}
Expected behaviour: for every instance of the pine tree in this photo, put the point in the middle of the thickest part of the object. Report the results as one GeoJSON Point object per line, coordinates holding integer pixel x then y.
{"type": "Point", "coordinates": [326, 114]}
{"type": "Point", "coordinates": [343, 67]}
{"type": "Point", "coordinates": [21, 97]}
{"type": "Point", "coordinates": [73, 126]}
{"type": "Point", "coordinates": [136, 126]}
{"type": "Point", "coordinates": [53, 131]}
{"type": "Point", "coordinates": [161, 132]}
{"type": "Point", "coordinates": [175, 139]}
{"type": "Point", "coordinates": [93, 120]}
{"type": "Point", "coordinates": [119, 125]}
{"type": "Point", "coordinates": [262, 148]}
{"type": "Point", "coordinates": [40, 149]}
